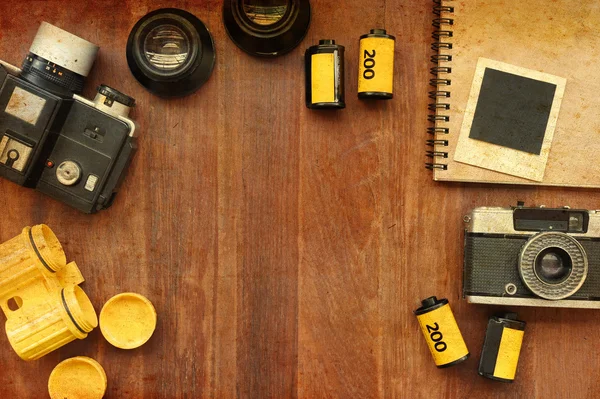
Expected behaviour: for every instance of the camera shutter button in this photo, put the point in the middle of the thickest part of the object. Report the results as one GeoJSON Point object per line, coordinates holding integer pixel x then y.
{"type": "Point", "coordinates": [68, 173]}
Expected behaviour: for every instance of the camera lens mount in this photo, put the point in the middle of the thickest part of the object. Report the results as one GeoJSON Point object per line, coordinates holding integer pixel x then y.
{"type": "Point", "coordinates": [170, 52]}
{"type": "Point", "coordinates": [553, 265]}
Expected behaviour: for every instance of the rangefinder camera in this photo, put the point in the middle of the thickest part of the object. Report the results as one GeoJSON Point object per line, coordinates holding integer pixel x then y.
{"type": "Point", "coordinates": [532, 257]}
{"type": "Point", "coordinates": [54, 140]}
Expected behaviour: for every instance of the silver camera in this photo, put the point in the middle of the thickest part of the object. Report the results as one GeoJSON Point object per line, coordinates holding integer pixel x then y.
{"type": "Point", "coordinates": [532, 257]}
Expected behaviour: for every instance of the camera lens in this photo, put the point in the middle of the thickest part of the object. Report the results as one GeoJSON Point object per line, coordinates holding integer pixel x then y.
{"type": "Point", "coordinates": [265, 12]}
{"type": "Point", "coordinates": [553, 265]}
{"type": "Point", "coordinates": [167, 49]}
{"type": "Point", "coordinates": [266, 28]}
{"type": "Point", "coordinates": [58, 61]}
{"type": "Point", "coordinates": [170, 52]}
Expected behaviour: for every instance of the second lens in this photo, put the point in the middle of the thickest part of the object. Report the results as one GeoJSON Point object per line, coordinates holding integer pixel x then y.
{"type": "Point", "coordinates": [170, 52]}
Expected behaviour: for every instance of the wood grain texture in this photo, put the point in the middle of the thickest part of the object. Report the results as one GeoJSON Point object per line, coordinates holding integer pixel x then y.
{"type": "Point", "coordinates": [284, 249]}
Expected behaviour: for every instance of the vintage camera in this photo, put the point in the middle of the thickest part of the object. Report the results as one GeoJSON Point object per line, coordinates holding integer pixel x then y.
{"type": "Point", "coordinates": [532, 257]}
{"type": "Point", "coordinates": [54, 140]}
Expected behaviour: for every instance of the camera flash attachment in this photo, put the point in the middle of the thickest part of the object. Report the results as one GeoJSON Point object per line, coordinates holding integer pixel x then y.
{"type": "Point", "coordinates": [170, 52]}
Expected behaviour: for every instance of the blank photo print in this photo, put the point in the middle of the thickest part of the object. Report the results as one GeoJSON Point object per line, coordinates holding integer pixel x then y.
{"type": "Point", "coordinates": [510, 119]}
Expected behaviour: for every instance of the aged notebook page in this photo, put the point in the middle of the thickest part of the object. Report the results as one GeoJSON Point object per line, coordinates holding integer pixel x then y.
{"type": "Point", "coordinates": [559, 38]}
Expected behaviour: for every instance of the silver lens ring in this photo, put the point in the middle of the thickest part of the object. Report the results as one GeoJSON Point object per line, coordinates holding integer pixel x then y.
{"type": "Point", "coordinates": [544, 242]}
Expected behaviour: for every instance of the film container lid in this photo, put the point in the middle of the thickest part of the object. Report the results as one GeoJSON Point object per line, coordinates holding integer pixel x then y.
{"type": "Point", "coordinates": [128, 320]}
{"type": "Point", "coordinates": [77, 377]}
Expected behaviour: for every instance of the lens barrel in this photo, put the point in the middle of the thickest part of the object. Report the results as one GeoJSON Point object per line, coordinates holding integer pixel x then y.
{"type": "Point", "coordinates": [51, 77]}
{"type": "Point", "coordinates": [58, 61]}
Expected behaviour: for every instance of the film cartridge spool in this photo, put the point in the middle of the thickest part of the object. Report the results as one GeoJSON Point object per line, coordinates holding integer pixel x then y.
{"type": "Point", "coordinates": [376, 65]}
{"type": "Point", "coordinates": [324, 67]}
{"type": "Point", "coordinates": [502, 347]}
{"type": "Point", "coordinates": [441, 332]}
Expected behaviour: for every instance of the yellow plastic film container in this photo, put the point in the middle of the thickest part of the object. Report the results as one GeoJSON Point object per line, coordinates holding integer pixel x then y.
{"type": "Point", "coordinates": [502, 347]}
{"type": "Point", "coordinates": [376, 65]}
{"type": "Point", "coordinates": [441, 332]}
{"type": "Point", "coordinates": [39, 294]}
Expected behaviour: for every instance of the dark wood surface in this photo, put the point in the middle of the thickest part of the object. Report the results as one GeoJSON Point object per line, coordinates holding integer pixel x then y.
{"type": "Point", "coordinates": [284, 249]}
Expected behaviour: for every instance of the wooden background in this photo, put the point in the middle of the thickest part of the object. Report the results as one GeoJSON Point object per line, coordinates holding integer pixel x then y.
{"type": "Point", "coordinates": [284, 249]}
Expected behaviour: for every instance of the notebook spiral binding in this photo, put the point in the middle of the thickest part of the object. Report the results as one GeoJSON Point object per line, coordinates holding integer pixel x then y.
{"type": "Point", "coordinates": [442, 35]}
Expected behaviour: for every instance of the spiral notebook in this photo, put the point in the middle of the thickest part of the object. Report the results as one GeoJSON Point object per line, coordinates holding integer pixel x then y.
{"type": "Point", "coordinates": [516, 92]}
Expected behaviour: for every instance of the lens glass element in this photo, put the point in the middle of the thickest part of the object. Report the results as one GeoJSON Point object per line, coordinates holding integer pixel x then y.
{"type": "Point", "coordinates": [553, 265]}
{"type": "Point", "coordinates": [167, 48]}
{"type": "Point", "coordinates": [265, 12]}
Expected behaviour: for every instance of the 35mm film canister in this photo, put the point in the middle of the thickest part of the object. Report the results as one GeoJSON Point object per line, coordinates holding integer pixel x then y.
{"type": "Point", "coordinates": [441, 332]}
{"type": "Point", "coordinates": [502, 347]}
{"type": "Point", "coordinates": [376, 65]}
{"type": "Point", "coordinates": [324, 65]}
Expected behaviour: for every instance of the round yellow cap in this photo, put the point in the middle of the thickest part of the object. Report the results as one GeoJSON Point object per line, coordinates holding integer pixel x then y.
{"type": "Point", "coordinates": [77, 378]}
{"type": "Point", "coordinates": [128, 320]}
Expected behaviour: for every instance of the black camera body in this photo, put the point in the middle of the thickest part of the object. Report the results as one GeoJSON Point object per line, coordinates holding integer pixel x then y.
{"type": "Point", "coordinates": [51, 139]}
{"type": "Point", "coordinates": [532, 257]}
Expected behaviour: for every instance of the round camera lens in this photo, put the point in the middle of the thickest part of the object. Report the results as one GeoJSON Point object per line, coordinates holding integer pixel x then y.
{"type": "Point", "coordinates": [553, 265]}
{"type": "Point", "coordinates": [265, 12]}
{"type": "Point", "coordinates": [167, 48]}
{"type": "Point", "coordinates": [170, 52]}
{"type": "Point", "coordinates": [266, 28]}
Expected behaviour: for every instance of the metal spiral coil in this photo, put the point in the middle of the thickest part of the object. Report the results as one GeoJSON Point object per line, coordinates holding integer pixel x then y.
{"type": "Point", "coordinates": [438, 154]}
{"type": "Point", "coordinates": [432, 143]}
{"type": "Point", "coordinates": [438, 130]}
{"type": "Point", "coordinates": [441, 35]}
{"type": "Point", "coordinates": [437, 46]}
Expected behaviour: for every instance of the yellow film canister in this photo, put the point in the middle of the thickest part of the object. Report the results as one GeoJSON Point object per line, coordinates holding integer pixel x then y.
{"type": "Point", "coordinates": [441, 332]}
{"type": "Point", "coordinates": [376, 65]}
{"type": "Point", "coordinates": [77, 378]}
{"type": "Point", "coordinates": [128, 320]}
{"type": "Point", "coordinates": [502, 347]}
{"type": "Point", "coordinates": [324, 70]}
